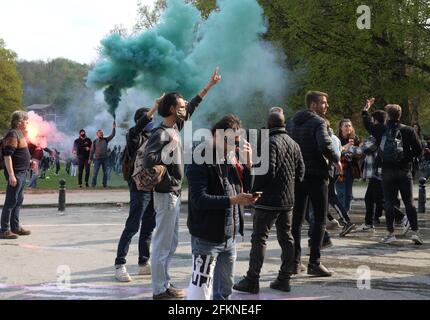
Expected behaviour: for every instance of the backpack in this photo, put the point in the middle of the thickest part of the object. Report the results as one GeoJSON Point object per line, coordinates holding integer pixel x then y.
{"type": "Point", "coordinates": [146, 179]}
{"type": "Point", "coordinates": [391, 147]}
{"type": "Point", "coordinates": [127, 162]}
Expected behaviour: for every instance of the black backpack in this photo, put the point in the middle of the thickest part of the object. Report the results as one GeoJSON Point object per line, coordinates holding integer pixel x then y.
{"type": "Point", "coordinates": [127, 161]}
{"type": "Point", "coordinates": [391, 146]}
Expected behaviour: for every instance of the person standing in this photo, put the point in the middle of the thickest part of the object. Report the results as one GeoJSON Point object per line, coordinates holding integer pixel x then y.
{"type": "Point", "coordinates": [310, 131]}
{"type": "Point", "coordinates": [164, 146]}
{"type": "Point", "coordinates": [398, 146]}
{"type": "Point", "coordinates": [81, 150]}
{"type": "Point", "coordinates": [99, 151]}
{"type": "Point", "coordinates": [217, 192]}
{"type": "Point", "coordinates": [17, 162]}
{"type": "Point", "coordinates": [141, 214]}
{"type": "Point", "coordinates": [286, 168]}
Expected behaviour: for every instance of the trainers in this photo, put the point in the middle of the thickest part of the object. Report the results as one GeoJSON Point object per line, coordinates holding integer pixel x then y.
{"type": "Point", "coordinates": [326, 244]}
{"type": "Point", "coordinates": [347, 229]}
{"type": "Point", "coordinates": [333, 224]}
{"type": "Point", "coordinates": [281, 285]}
{"type": "Point", "coordinates": [22, 232]}
{"type": "Point", "coordinates": [389, 238]}
{"type": "Point", "coordinates": [144, 270]}
{"type": "Point", "coordinates": [8, 235]}
{"type": "Point", "coordinates": [318, 270]}
{"type": "Point", "coordinates": [377, 221]}
{"type": "Point", "coordinates": [121, 274]}
{"type": "Point", "coordinates": [416, 238]}
{"type": "Point", "coordinates": [245, 285]}
{"type": "Point", "coordinates": [366, 228]}
{"type": "Point", "coordinates": [298, 269]}
{"type": "Point", "coordinates": [175, 293]}
{"type": "Point", "coordinates": [406, 228]}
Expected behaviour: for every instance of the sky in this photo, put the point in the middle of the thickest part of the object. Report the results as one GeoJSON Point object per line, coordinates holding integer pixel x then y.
{"type": "Point", "coordinates": [72, 29]}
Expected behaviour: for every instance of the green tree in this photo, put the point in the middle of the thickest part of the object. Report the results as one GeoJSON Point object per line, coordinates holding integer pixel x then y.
{"type": "Point", "coordinates": [10, 86]}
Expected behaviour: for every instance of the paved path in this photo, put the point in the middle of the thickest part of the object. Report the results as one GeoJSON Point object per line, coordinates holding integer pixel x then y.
{"type": "Point", "coordinates": [82, 243]}
{"type": "Point", "coordinates": [118, 196]}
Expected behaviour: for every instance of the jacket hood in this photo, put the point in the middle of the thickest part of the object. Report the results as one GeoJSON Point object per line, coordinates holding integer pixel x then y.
{"type": "Point", "coordinates": [303, 116]}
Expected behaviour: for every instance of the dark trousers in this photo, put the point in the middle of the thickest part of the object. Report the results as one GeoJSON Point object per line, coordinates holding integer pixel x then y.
{"type": "Point", "coordinates": [141, 215]}
{"type": "Point", "coordinates": [309, 217]}
{"type": "Point", "coordinates": [83, 164]}
{"type": "Point", "coordinates": [57, 167]}
{"type": "Point", "coordinates": [103, 163]}
{"type": "Point", "coordinates": [374, 200]}
{"type": "Point", "coordinates": [334, 201]}
{"type": "Point", "coordinates": [263, 222]}
{"type": "Point", "coordinates": [393, 181]}
{"type": "Point", "coordinates": [315, 190]}
{"type": "Point", "coordinates": [13, 202]}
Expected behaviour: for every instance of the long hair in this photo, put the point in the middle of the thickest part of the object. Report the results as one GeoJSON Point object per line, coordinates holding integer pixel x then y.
{"type": "Point", "coordinates": [339, 130]}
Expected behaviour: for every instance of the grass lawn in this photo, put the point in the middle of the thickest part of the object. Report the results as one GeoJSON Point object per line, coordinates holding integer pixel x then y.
{"type": "Point", "coordinates": [51, 181]}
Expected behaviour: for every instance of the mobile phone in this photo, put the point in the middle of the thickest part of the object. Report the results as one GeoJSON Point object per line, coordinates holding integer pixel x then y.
{"type": "Point", "coordinates": [257, 194]}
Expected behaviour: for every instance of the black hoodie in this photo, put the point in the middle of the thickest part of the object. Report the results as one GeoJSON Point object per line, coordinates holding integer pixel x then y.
{"type": "Point", "coordinates": [310, 132]}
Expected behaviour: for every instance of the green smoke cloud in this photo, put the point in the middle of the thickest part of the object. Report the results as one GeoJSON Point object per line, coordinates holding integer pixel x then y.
{"type": "Point", "coordinates": [181, 52]}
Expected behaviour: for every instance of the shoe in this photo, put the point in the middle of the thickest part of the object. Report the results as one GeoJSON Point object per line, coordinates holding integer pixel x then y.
{"type": "Point", "coordinates": [318, 270]}
{"type": "Point", "coordinates": [416, 238]}
{"type": "Point", "coordinates": [245, 285]}
{"type": "Point", "coordinates": [121, 274]}
{"type": "Point", "coordinates": [342, 223]}
{"type": "Point", "coordinates": [366, 228]}
{"type": "Point", "coordinates": [144, 270]}
{"type": "Point", "coordinates": [326, 244]}
{"type": "Point", "coordinates": [406, 228]}
{"type": "Point", "coordinates": [298, 269]}
{"type": "Point", "coordinates": [170, 293]}
{"type": "Point", "coordinates": [80, 186]}
{"type": "Point", "coordinates": [376, 221]}
{"type": "Point", "coordinates": [22, 232]}
{"type": "Point", "coordinates": [347, 229]}
{"type": "Point", "coordinates": [389, 238]}
{"type": "Point", "coordinates": [281, 285]}
{"type": "Point", "coordinates": [404, 221]}
{"type": "Point", "coordinates": [8, 235]}
{"type": "Point", "coordinates": [333, 224]}
{"type": "Point", "coordinates": [87, 185]}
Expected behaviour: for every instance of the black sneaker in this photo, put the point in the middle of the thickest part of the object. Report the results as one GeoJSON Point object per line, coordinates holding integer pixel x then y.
{"type": "Point", "coordinates": [318, 270]}
{"type": "Point", "coordinates": [326, 244]}
{"type": "Point", "coordinates": [281, 285]}
{"type": "Point", "coordinates": [87, 185]}
{"type": "Point", "coordinates": [245, 285]}
{"type": "Point", "coordinates": [347, 229]}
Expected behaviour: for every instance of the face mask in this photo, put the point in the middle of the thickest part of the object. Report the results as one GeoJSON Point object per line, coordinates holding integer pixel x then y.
{"type": "Point", "coordinates": [181, 114]}
{"type": "Point", "coordinates": [149, 126]}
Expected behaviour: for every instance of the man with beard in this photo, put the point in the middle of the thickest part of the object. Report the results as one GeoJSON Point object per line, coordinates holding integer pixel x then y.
{"type": "Point", "coordinates": [81, 149]}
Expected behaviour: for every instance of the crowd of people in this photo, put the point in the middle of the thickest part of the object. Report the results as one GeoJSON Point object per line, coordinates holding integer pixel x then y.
{"type": "Point", "coordinates": [311, 166]}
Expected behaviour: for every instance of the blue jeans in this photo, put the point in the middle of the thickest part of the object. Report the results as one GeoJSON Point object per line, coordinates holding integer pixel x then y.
{"type": "Point", "coordinates": [213, 269]}
{"type": "Point", "coordinates": [165, 239]}
{"type": "Point", "coordinates": [97, 163]}
{"type": "Point", "coordinates": [344, 190]}
{"type": "Point", "coordinates": [13, 202]}
{"type": "Point", "coordinates": [141, 211]}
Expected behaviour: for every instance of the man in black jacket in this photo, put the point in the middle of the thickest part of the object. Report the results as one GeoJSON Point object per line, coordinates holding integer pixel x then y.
{"type": "Point", "coordinates": [397, 173]}
{"type": "Point", "coordinates": [81, 149]}
{"type": "Point", "coordinates": [310, 131]}
{"type": "Point", "coordinates": [141, 214]}
{"type": "Point", "coordinates": [276, 204]}
{"type": "Point", "coordinates": [164, 148]}
{"type": "Point", "coordinates": [216, 193]}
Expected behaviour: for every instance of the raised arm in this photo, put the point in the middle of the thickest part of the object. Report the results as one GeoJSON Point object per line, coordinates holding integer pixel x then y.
{"type": "Point", "coordinates": [112, 135]}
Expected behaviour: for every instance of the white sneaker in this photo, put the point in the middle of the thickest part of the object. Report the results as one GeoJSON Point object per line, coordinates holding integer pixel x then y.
{"type": "Point", "coordinates": [405, 221]}
{"type": "Point", "coordinates": [333, 224]}
{"type": "Point", "coordinates": [406, 228]}
{"type": "Point", "coordinates": [145, 270]}
{"type": "Point", "coordinates": [416, 238]}
{"type": "Point", "coordinates": [389, 238]}
{"type": "Point", "coordinates": [366, 228]}
{"type": "Point", "coordinates": [121, 274]}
